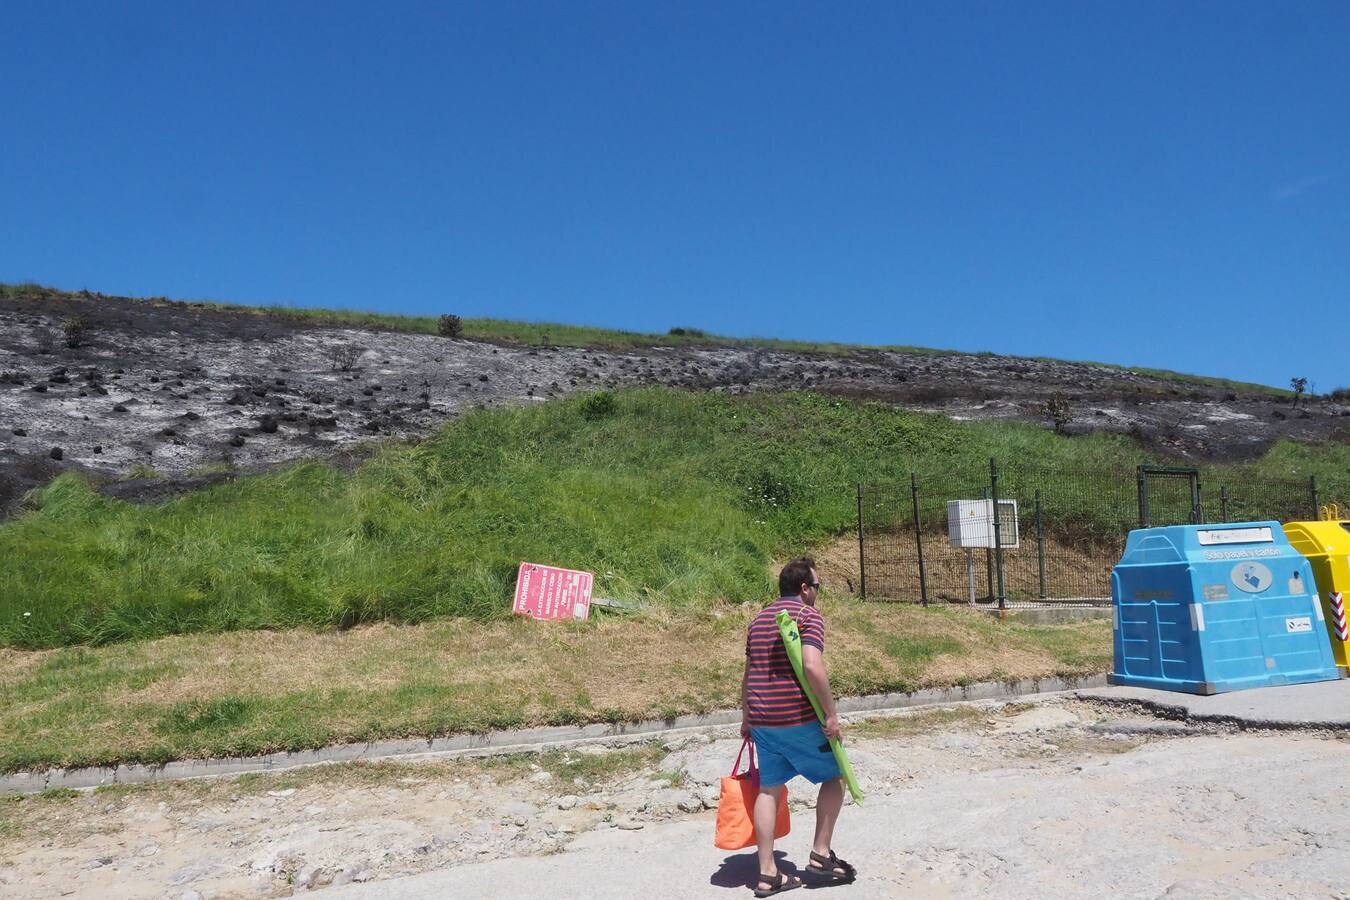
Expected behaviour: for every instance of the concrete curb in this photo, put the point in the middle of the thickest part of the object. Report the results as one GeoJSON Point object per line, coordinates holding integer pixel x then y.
{"type": "Point", "coordinates": [503, 741]}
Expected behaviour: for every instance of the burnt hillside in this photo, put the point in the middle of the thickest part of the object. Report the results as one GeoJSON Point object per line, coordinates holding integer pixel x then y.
{"type": "Point", "coordinates": [194, 392]}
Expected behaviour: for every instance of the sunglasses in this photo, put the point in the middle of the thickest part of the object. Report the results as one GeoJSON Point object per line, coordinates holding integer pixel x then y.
{"type": "Point", "coordinates": [815, 585]}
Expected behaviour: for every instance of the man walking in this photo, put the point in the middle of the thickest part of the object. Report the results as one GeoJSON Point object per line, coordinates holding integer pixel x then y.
{"type": "Point", "coordinates": [789, 738]}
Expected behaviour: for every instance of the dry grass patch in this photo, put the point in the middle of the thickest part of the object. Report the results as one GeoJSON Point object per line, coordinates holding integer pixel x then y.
{"type": "Point", "coordinates": [993, 664]}
{"type": "Point", "coordinates": [903, 647]}
{"type": "Point", "coordinates": [611, 661]}
{"type": "Point", "coordinates": [919, 722]}
{"type": "Point", "coordinates": [15, 663]}
{"type": "Point", "coordinates": [253, 692]}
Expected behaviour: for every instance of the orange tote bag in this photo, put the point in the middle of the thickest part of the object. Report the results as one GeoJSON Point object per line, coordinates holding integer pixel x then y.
{"type": "Point", "coordinates": [736, 807]}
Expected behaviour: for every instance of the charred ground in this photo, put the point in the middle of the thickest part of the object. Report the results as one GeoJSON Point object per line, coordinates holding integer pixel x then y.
{"type": "Point", "coordinates": [157, 396]}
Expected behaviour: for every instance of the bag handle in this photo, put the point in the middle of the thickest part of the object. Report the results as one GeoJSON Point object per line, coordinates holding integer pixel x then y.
{"type": "Point", "coordinates": [736, 767]}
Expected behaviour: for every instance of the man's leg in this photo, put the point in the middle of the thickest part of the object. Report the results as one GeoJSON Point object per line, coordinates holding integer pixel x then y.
{"type": "Point", "coordinates": [766, 822]}
{"type": "Point", "coordinates": [828, 803]}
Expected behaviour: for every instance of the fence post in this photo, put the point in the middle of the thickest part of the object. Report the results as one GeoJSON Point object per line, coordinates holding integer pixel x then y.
{"type": "Point", "coordinates": [862, 554]}
{"type": "Point", "coordinates": [998, 539]}
{"type": "Point", "coordinates": [1197, 511]}
{"type": "Point", "coordinates": [1143, 496]}
{"type": "Point", "coordinates": [1317, 503]}
{"type": "Point", "coordinates": [1223, 503]}
{"type": "Point", "coordinates": [918, 538]}
{"type": "Point", "coordinates": [988, 560]}
{"type": "Point", "coordinates": [1040, 544]}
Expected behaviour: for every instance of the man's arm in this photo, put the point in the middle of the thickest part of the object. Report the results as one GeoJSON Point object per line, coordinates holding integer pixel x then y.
{"type": "Point", "coordinates": [813, 665]}
{"type": "Point", "coordinates": [745, 701]}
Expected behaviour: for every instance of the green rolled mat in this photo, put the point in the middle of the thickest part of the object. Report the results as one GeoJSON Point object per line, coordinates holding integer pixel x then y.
{"type": "Point", "coordinates": [792, 642]}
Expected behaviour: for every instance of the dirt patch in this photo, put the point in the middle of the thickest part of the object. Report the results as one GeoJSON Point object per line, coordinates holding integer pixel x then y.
{"type": "Point", "coordinates": [836, 564]}
{"type": "Point", "coordinates": [1073, 569]}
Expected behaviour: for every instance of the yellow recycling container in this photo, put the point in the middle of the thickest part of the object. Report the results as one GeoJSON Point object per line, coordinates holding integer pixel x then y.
{"type": "Point", "coordinates": [1327, 546]}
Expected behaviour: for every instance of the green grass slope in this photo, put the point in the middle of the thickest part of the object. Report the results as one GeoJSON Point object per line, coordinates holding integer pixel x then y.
{"type": "Point", "coordinates": [675, 498]}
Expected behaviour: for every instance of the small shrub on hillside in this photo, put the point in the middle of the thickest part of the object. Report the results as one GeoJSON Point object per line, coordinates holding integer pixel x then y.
{"type": "Point", "coordinates": [599, 405]}
{"type": "Point", "coordinates": [344, 357]}
{"type": "Point", "coordinates": [1340, 395]}
{"type": "Point", "coordinates": [1299, 386]}
{"type": "Point", "coordinates": [450, 326]}
{"type": "Point", "coordinates": [44, 340]}
{"type": "Point", "coordinates": [76, 330]}
{"type": "Point", "coordinates": [1057, 410]}
{"type": "Point", "coordinates": [687, 332]}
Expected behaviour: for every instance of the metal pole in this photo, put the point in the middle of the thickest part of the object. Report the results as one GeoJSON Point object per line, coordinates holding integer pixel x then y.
{"type": "Point", "coordinates": [1040, 543]}
{"type": "Point", "coordinates": [1143, 496]}
{"type": "Point", "coordinates": [988, 572]}
{"type": "Point", "coordinates": [862, 555]}
{"type": "Point", "coordinates": [988, 560]}
{"type": "Point", "coordinates": [1223, 503]}
{"type": "Point", "coordinates": [998, 538]}
{"type": "Point", "coordinates": [1197, 512]}
{"type": "Point", "coordinates": [1312, 486]}
{"type": "Point", "coordinates": [918, 538]}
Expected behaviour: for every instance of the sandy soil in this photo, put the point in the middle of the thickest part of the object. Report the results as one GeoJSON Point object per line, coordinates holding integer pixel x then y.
{"type": "Point", "coordinates": [196, 394]}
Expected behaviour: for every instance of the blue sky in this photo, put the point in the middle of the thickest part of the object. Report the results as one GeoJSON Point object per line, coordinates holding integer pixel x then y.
{"type": "Point", "coordinates": [1153, 184]}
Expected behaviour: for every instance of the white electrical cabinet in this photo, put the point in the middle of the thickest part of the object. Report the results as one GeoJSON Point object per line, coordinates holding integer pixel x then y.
{"type": "Point", "coordinates": [970, 523]}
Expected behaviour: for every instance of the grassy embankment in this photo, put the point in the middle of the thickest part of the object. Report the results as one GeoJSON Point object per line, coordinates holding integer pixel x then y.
{"type": "Point", "coordinates": [672, 498]}
{"type": "Point", "coordinates": [253, 692]}
{"type": "Point", "coordinates": [679, 500]}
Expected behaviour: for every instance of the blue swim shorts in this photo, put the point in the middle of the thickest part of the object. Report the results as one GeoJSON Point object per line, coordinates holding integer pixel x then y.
{"type": "Point", "coordinates": [795, 750]}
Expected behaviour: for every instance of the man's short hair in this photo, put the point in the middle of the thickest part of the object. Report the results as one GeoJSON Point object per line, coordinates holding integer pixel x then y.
{"type": "Point", "coordinates": [795, 574]}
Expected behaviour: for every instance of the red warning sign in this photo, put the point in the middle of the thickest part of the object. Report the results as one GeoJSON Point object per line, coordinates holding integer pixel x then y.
{"type": "Point", "coordinates": [545, 592]}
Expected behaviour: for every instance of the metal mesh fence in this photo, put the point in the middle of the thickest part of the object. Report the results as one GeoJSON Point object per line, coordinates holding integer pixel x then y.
{"type": "Point", "coordinates": [1246, 501]}
{"type": "Point", "coordinates": [1071, 531]}
{"type": "Point", "coordinates": [1059, 532]}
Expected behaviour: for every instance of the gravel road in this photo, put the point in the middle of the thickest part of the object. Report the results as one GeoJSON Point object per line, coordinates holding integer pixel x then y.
{"type": "Point", "coordinates": [1062, 798]}
{"type": "Point", "coordinates": [1248, 816]}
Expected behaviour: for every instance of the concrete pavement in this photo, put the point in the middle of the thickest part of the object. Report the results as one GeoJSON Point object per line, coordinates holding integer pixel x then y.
{"type": "Point", "coordinates": [1320, 705]}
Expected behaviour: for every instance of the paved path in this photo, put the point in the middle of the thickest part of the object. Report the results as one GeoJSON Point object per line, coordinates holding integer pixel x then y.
{"type": "Point", "coordinates": [1323, 704]}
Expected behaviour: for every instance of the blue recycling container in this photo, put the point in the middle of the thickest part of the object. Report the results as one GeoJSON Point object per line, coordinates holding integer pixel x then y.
{"type": "Point", "coordinates": [1210, 608]}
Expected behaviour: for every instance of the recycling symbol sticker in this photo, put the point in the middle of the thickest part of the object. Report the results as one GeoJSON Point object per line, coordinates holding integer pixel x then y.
{"type": "Point", "coordinates": [1252, 577]}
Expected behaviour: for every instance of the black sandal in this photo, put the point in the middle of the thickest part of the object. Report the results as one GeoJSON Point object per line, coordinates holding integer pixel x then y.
{"type": "Point", "coordinates": [780, 883]}
{"type": "Point", "coordinates": [824, 867]}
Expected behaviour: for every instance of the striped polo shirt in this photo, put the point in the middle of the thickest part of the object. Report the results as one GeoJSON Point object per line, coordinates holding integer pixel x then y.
{"type": "Point", "coordinates": [774, 698]}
